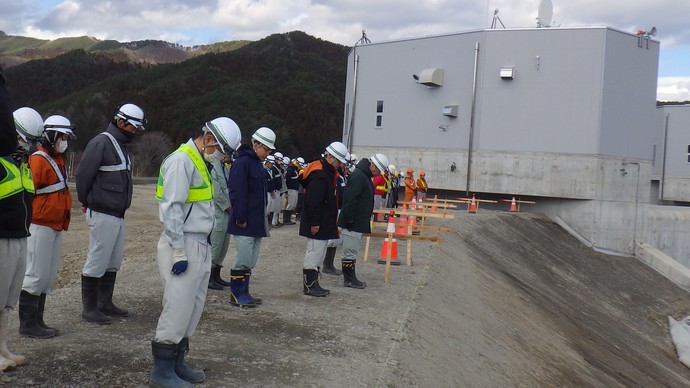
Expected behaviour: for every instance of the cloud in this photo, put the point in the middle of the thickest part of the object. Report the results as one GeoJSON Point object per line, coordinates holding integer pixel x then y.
{"type": "Point", "coordinates": [673, 89]}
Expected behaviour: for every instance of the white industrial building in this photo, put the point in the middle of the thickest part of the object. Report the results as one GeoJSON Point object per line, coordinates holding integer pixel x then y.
{"type": "Point", "coordinates": [565, 114]}
{"type": "Point", "coordinates": [671, 171]}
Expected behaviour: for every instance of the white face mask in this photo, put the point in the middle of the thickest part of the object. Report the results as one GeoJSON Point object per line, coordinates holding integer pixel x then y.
{"type": "Point", "coordinates": [216, 155]}
{"type": "Point", "coordinates": [62, 146]}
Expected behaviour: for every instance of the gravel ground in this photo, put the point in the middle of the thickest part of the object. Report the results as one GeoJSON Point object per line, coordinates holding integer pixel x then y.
{"type": "Point", "coordinates": [507, 300]}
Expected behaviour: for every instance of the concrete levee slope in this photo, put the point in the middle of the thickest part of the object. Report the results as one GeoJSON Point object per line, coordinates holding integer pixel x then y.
{"type": "Point", "coordinates": [514, 300]}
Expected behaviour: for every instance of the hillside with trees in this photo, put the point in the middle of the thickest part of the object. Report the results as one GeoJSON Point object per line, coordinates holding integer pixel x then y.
{"type": "Point", "coordinates": [293, 83]}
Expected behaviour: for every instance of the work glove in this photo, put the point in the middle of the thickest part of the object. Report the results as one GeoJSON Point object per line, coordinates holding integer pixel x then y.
{"type": "Point", "coordinates": [179, 261]}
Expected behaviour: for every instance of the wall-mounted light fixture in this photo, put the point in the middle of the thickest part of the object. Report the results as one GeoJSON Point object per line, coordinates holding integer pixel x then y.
{"type": "Point", "coordinates": [450, 111]}
{"type": "Point", "coordinates": [507, 73]}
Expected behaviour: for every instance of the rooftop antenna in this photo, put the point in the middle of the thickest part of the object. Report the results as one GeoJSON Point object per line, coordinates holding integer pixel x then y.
{"type": "Point", "coordinates": [545, 14]}
{"type": "Point", "coordinates": [496, 19]}
{"type": "Point", "coordinates": [364, 39]}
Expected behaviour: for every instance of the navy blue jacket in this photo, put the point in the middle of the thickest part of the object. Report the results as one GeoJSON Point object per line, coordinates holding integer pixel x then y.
{"type": "Point", "coordinates": [275, 179]}
{"type": "Point", "coordinates": [292, 178]}
{"type": "Point", "coordinates": [247, 187]}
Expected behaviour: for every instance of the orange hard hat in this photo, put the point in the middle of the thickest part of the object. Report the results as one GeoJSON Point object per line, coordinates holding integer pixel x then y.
{"type": "Point", "coordinates": [421, 173]}
{"type": "Point", "coordinates": [409, 170]}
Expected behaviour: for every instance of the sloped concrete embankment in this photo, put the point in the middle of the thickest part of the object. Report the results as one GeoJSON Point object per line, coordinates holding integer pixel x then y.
{"type": "Point", "coordinates": [514, 300]}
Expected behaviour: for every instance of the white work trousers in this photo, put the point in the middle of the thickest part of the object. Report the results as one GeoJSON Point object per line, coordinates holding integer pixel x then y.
{"type": "Point", "coordinates": [352, 241]}
{"type": "Point", "coordinates": [274, 203]}
{"type": "Point", "coordinates": [316, 252]}
{"type": "Point", "coordinates": [42, 260]}
{"type": "Point", "coordinates": [291, 200]}
{"type": "Point", "coordinates": [184, 295]}
{"type": "Point", "coordinates": [247, 248]}
{"type": "Point", "coordinates": [106, 243]}
{"type": "Point", "coordinates": [12, 267]}
{"type": "Point", "coordinates": [220, 239]}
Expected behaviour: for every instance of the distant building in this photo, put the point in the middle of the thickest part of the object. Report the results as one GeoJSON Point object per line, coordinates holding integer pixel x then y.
{"type": "Point", "coordinates": [565, 115]}
{"type": "Point", "coordinates": [671, 170]}
{"type": "Point", "coordinates": [552, 112]}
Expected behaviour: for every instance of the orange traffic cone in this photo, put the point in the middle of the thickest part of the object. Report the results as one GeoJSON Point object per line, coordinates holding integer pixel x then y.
{"type": "Point", "coordinates": [403, 217]}
{"type": "Point", "coordinates": [434, 208]}
{"type": "Point", "coordinates": [413, 206]}
{"type": "Point", "coordinates": [379, 217]}
{"type": "Point", "coordinates": [390, 228]}
{"type": "Point", "coordinates": [394, 253]}
{"type": "Point", "coordinates": [412, 221]}
{"type": "Point", "coordinates": [472, 207]}
{"type": "Point", "coordinates": [513, 206]}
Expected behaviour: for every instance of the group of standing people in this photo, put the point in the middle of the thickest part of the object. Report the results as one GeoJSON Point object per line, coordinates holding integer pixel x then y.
{"type": "Point", "coordinates": [211, 187]}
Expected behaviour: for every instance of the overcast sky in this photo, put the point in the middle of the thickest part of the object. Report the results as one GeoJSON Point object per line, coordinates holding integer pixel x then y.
{"type": "Point", "coordinates": [191, 22]}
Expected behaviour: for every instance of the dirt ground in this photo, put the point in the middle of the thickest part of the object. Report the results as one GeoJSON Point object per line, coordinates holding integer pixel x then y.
{"type": "Point", "coordinates": [509, 299]}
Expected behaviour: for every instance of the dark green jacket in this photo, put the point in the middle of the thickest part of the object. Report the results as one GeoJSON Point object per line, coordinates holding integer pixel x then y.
{"type": "Point", "coordinates": [358, 200]}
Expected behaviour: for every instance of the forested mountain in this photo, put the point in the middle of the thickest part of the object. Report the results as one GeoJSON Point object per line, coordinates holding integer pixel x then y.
{"type": "Point", "coordinates": [293, 83]}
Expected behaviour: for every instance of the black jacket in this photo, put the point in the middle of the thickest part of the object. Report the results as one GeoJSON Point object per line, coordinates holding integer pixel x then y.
{"type": "Point", "coordinates": [320, 201]}
{"type": "Point", "coordinates": [292, 178]}
{"type": "Point", "coordinates": [108, 192]}
{"type": "Point", "coordinates": [358, 200]}
{"type": "Point", "coordinates": [15, 210]}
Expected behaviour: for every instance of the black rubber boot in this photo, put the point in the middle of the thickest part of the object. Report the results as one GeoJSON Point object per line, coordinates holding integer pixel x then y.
{"type": "Point", "coordinates": [218, 279]}
{"type": "Point", "coordinates": [41, 307]}
{"type": "Point", "coordinates": [163, 374]}
{"type": "Point", "coordinates": [184, 371]}
{"type": "Point", "coordinates": [328, 262]}
{"type": "Point", "coordinates": [287, 217]}
{"type": "Point", "coordinates": [212, 282]}
{"type": "Point", "coordinates": [89, 300]}
{"type": "Point", "coordinates": [28, 317]}
{"type": "Point", "coordinates": [246, 288]}
{"type": "Point", "coordinates": [311, 283]}
{"type": "Point", "coordinates": [349, 275]}
{"type": "Point", "coordinates": [105, 296]}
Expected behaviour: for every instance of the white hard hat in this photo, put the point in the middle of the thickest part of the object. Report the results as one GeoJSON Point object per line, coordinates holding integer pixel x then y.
{"type": "Point", "coordinates": [380, 161]}
{"type": "Point", "coordinates": [392, 169]}
{"type": "Point", "coordinates": [353, 158]}
{"type": "Point", "coordinates": [278, 155]}
{"type": "Point", "coordinates": [338, 151]}
{"type": "Point", "coordinates": [300, 160]}
{"type": "Point", "coordinates": [286, 160]}
{"type": "Point", "coordinates": [29, 123]}
{"type": "Point", "coordinates": [265, 136]}
{"type": "Point", "coordinates": [226, 132]}
{"type": "Point", "coordinates": [132, 114]}
{"type": "Point", "coordinates": [60, 124]}
{"type": "Point", "coordinates": [270, 158]}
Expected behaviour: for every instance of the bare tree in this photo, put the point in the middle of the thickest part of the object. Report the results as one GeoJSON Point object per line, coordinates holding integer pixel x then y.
{"type": "Point", "coordinates": [148, 152]}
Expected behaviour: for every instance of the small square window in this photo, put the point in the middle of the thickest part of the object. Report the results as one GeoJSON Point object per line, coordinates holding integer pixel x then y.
{"type": "Point", "coordinates": [379, 114]}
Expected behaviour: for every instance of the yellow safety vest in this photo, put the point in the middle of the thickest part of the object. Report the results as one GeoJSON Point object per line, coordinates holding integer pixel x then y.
{"type": "Point", "coordinates": [18, 179]}
{"type": "Point", "coordinates": [200, 193]}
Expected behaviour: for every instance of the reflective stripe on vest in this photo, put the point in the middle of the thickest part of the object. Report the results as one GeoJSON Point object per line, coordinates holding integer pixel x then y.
{"type": "Point", "coordinates": [201, 193]}
{"type": "Point", "coordinates": [27, 178]}
{"type": "Point", "coordinates": [124, 163]}
{"type": "Point", "coordinates": [55, 187]}
{"type": "Point", "coordinates": [12, 184]}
